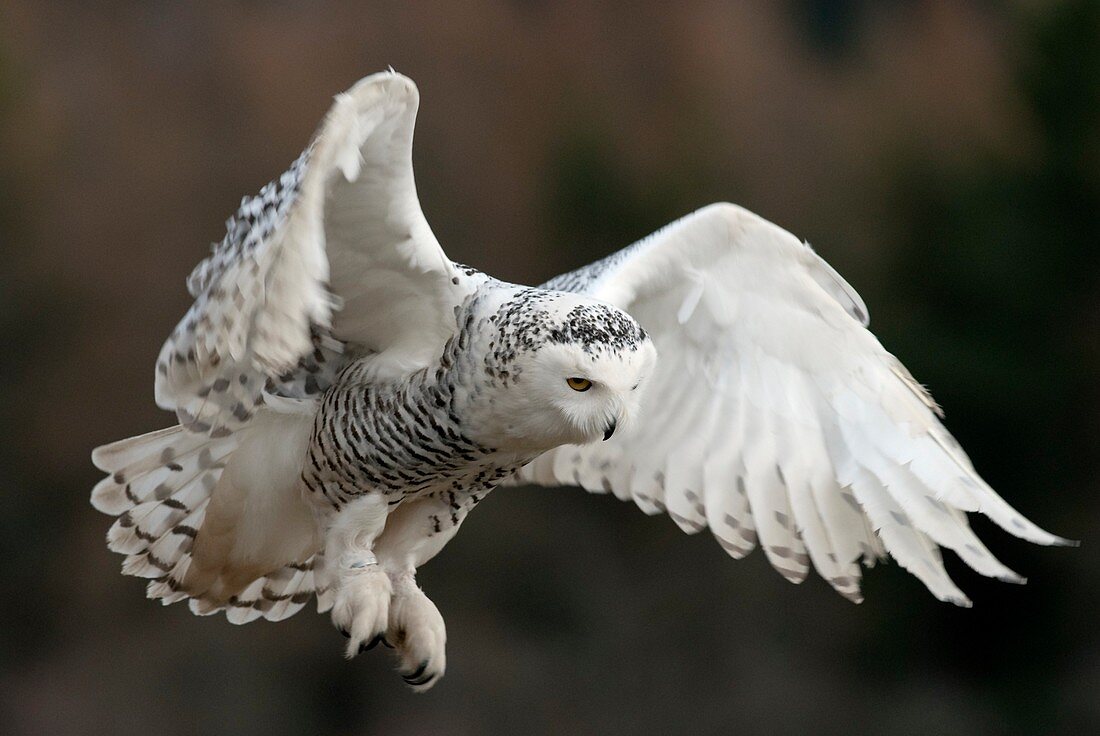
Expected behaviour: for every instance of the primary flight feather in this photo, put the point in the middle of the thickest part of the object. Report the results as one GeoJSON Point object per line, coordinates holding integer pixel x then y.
{"type": "Point", "coordinates": [346, 395]}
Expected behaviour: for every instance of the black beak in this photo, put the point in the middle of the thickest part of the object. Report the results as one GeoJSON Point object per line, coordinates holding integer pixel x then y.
{"type": "Point", "coordinates": [610, 430]}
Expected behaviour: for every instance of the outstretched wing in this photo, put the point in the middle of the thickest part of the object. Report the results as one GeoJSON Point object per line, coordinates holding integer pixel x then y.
{"type": "Point", "coordinates": [335, 257]}
{"type": "Point", "coordinates": [775, 416]}
{"type": "Point", "coordinates": [337, 247]}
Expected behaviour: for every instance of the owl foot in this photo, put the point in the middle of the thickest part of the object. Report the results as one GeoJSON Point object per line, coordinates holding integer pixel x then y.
{"type": "Point", "coordinates": [417, 632]}
{"type": "Point", "coordinates": [361, 608]}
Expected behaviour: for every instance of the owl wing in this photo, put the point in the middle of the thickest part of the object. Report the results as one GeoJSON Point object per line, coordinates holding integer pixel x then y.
{"type": "Point", "coordinates": [334, 258]}
{"type": "Point", "coordinates": [775, 416]}
{"type": "Point", "coordinates": [334, 253]}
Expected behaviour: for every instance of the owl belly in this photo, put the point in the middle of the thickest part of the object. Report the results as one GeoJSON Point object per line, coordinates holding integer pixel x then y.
{"type": "Point", "coordinates": [394, 444]}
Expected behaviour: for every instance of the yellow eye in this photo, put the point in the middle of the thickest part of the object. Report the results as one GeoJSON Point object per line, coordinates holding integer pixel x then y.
{"type": "Point", "coordinates": [579, 384]}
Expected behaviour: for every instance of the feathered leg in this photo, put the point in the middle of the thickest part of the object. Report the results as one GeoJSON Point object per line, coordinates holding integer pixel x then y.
{"type": "Point", "coordinates": [414, 534]}
{"type": "Point", "coordinates": [361, 589]}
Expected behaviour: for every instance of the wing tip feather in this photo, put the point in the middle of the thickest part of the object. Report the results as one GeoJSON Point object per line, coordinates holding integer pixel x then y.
{"type": "Point", "coordinates": [960, 601]}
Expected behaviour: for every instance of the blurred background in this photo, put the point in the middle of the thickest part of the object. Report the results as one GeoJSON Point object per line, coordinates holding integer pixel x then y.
{"type": "Point", "coordinates": [944, 156]}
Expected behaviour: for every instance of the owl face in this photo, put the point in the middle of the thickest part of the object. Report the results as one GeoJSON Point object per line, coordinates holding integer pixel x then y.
{"type": "Point", "coordinates": [586, 396]}
{"type": "Point", "coordinates": [567, 370]}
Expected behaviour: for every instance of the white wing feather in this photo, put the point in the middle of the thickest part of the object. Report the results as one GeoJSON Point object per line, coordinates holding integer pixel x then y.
{"type": "Point", "coordinates": [334, 256]}
{"type": "Point", "coordinates": [774, 415]}
{"type": "Point", "coordinates": [338, 245]}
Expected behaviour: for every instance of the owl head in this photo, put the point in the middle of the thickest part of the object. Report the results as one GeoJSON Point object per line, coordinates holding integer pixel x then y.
{"type": "Point", "coordinates": [560, 369]}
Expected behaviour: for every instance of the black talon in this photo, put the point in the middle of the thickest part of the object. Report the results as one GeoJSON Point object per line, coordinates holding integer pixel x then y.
{"type": "Point", "coordinates": [423, 680]}
{"type": "Point", "coordinates": [373, 643]}
{"type": "Point", "coordinates": [415, 675]}
{"type": "Point", "coordinates": [343, 631]}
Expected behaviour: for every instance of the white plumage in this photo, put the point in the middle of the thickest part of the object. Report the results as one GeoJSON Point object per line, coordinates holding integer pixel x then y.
{"type": "Point", "coordinates": [346, 394]}
{"type": "Point", "coordinates": [809, 436]}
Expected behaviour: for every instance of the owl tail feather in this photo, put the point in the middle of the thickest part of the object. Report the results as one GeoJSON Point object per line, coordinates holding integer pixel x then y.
{"type": "Point", "coordinates": [161, 485]}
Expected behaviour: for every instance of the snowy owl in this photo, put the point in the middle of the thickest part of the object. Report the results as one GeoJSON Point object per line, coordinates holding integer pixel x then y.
{"type": "Point", "coordinates": [346, 394]}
